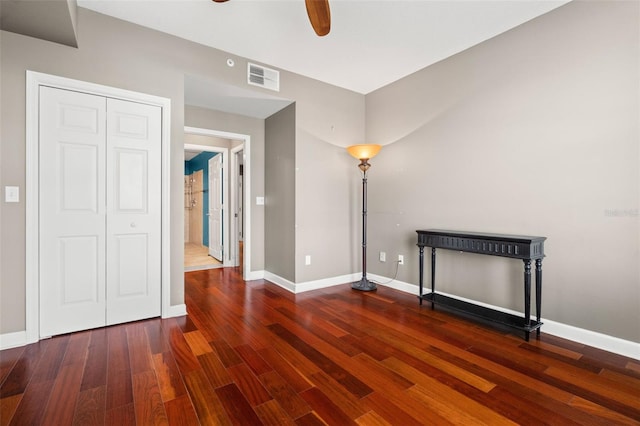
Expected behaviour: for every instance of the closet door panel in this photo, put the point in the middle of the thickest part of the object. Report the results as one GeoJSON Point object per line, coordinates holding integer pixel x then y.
{"type": "Point", "coordinates": [72, 211]}
{"type": "Point", "coordinates": [131, 252]}
{"type": "Point", "coordinates": [133, 212]}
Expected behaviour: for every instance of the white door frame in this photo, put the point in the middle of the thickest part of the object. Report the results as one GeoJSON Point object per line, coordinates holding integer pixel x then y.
{"type": "Point", "coordinates": [215, 189]}
{"type": "Point", "coordinates": [231, 165]}
{"type": "Point", "coordinates": [32, 189]}
{"type": "Point", "coordinates": [235, 172]}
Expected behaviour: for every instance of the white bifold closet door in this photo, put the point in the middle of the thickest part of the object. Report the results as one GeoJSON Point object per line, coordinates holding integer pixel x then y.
{"type": "Point", "coordinates": [99, 208]}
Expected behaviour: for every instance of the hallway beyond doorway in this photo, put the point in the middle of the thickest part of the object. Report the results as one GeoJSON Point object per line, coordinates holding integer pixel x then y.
{"type": "Point", "coordinates": [196, 258]}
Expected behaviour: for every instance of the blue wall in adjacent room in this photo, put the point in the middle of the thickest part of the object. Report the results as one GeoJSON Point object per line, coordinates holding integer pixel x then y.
{"type": "Point", "coordinates": [201, 162]}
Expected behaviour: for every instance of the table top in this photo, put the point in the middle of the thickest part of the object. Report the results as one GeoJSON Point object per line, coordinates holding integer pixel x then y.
{"type": "Point", "coordinates": [481, 235]}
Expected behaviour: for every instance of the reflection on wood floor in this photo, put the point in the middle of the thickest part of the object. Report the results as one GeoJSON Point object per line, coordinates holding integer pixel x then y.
{"type": "Point", "coordinates": [251, 353]}
{"type": "Point", "coordinates": [196, 257]}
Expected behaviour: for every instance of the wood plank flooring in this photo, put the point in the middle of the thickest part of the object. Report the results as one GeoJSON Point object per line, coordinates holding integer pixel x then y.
{"type": "Point", "coordinates": [254, 354]}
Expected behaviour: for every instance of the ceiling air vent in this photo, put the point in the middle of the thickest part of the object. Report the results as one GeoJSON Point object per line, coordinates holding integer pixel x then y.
{"type": "Point", "coordinates": [264, 77]}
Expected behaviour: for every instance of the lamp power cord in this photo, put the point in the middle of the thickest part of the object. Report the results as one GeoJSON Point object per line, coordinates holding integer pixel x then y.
{"type": "Point", "coordinates": [395, 275]}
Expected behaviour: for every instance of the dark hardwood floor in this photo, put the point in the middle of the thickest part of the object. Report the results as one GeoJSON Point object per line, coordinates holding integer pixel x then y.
{"type": "Point", "coordinates": [252, 353]}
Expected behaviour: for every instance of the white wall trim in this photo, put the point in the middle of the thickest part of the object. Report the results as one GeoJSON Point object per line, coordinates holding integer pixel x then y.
{"type": "Point", "coordinates": [176, 311]}
{"type": "Point", "coordinates": [255, 275]}
{"type": "Point", "coordinates": [586, 337]}
{"type": "Point", "coordinates": [34, 81]}
{"type": "Point", "coordinates": [234, 166]}
{"type": "Point", "coordinates": [246, 146]}
{"type": "Point", "coordinates": [13, 340]}
{"type": "Point", "coordinates": [226, 259]}
{"type": "Point", "coordinates": [395, 284]}
{"type": "Point", "coordinates": [591, 338]}
{"type": "Point", "coordinates": [279, 281]}
{"type": "Point", "coordinates": [309, 285]}
{"type": "Point", "coordinates": [326, 282]}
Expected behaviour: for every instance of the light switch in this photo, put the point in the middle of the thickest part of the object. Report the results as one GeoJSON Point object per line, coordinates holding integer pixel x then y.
{"type": "Point", "coordinates": [260, 201]}
{"type": "Point", "coordinates": [11, 194]}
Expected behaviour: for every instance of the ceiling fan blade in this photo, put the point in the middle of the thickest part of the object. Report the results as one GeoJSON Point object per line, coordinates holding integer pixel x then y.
{"type": "Point", "coordinates": [319, 15]}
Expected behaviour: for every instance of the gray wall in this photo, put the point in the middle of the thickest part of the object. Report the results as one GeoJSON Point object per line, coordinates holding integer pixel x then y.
{"type": "Point", "coordinates": [109, 55]}
{"type": "Point", "coordinates": [119, 54]}
{"type": "Point", "coordinates": [280, 136]}
{"type": "Point", "coordinates": [327, 181]}
{"type": "Point", "coordinates": [328, 210]}
{"type": "Point", "coordinates": [533, 132]}
{"type": "Point", "coordinates": [254, 127]}
{"type": "Point", "coordinates": [204, 140]}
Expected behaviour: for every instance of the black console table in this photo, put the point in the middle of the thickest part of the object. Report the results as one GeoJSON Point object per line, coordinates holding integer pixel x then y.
{"type": "Point", "coordinates": [521, 247]}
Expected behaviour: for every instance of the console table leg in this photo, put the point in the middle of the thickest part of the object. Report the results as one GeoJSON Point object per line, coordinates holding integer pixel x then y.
{"type": "Point", "coordinates": [527, 296]}
{"type": "Point", "coordinates": [538, 292]}
{"type": "Point", "coordinates": [433, 275]}
{"type": "Point", "coordinates": [421, 263]}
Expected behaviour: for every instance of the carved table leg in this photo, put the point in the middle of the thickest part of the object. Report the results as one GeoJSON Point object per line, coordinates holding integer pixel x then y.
{"type": "Point", "coordinates": [433, 275]}
{"type": "Point", "coordinates": [527, 296]}
{"type": "Point", "coordinates": [421, 263]}
{"type": "Point", "coordinates": [538, 292]}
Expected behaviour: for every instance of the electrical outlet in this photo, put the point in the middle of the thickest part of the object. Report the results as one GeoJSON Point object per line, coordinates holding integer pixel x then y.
{"type": "Point", "coordinates": [401, 259]}
{"type": "Point", "coordinates": [383, 256]}
{"type": "Point", "coordinates": [307, 260]}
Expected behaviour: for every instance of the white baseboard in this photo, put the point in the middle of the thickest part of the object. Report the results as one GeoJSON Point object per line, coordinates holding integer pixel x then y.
{"type": "Point", "coordinates": [395, 284]}
{"type": "Point", "coordinates": [309, 285]}
{"type": "Point", "coordinates": [13, 340]}
{"type": "Point", "coordinates": [279, 281]}
{"type": "Point", "coordinates": [20, 338]}
{"type": "Point", "coordinates": [591, 338]}
{"type": "Point", "coordinates": [326, 282]}
{"type": "Point", "coordinates": [176, 311]}
{"type": "Point", "coordinates": [255, 275]}
{"type": "Point", "coordinates": [586, 337]}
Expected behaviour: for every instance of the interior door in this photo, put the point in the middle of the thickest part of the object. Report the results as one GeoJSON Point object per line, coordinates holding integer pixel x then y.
{"type": "Point", "coordinates": [215, 207]}
{"type": "Point", "coordinates": [72, 216]}
{"type": "Point", "coordinates": [133, 211]}
{"type": "Point", "coordinates": [240, 198]}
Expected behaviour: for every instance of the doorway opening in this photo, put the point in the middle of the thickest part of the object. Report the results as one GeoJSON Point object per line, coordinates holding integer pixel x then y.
{"type": "Point", "coordinates": [202, 209]}
{"type": "Point", "coordinates": [227, 225]}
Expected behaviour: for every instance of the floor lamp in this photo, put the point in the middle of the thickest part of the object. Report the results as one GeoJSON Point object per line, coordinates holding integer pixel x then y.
{"type": "Point", "coordinates": [364, 153]}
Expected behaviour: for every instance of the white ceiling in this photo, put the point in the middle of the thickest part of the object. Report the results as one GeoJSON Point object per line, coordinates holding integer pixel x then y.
{"type": "Point", "coordinates": [190, 154]}
{"type": "Point", "coordinates": [218, 96]}
{"type": "Point", "coordinates": [371, 43]}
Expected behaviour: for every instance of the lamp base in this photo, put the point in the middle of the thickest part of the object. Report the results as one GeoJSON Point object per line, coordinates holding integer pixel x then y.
{"type": "Point", "coordinates": [364, 285]}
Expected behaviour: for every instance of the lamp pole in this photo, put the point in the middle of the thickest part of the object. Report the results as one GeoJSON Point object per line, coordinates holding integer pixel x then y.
{"type": "Point", "coordinates": [364, 153]}
{"type": "Point", "coordinates": [364, 284]}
